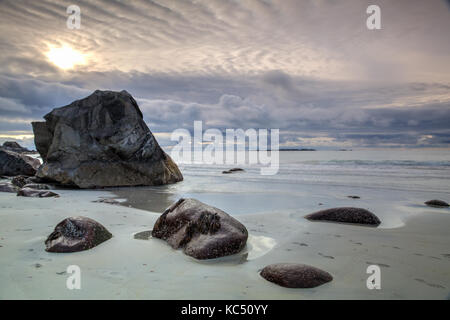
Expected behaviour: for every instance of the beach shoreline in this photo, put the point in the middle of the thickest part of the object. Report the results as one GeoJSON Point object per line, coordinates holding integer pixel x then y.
{"type": "Point", "coordinates": [413, 258]}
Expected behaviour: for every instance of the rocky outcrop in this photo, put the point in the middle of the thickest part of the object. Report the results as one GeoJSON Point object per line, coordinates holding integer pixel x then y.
{"type": "Point", "coordinates": [437, 204]}
{"type": "Point", "coordinates": [293, 275]}
{"type": "Point", "coordinates": [19, 181]}
{"type": "Point", "coordinates": [76, 234]}
{"type": "Point", "coordinates": [13, 146]}
{"type": "Point", "coordinates": [346, 215]}
{"type": "Point", "coordinates": [22, 181]}
{"type": "Point", "coordinates": [37, 186]}
{"type": "Point", "coordinates": [203, 231]}
{"type": "Point", "coordinates": [101, 141]}
{"type": "Point", "coordinates": [13, 163]}
{"type": "Point", "coordinates": [8, 187]}
{"type": "Point", "coordinates": [28, 192]}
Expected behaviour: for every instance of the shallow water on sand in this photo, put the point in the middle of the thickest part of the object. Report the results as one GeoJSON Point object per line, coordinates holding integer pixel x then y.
{"type": "Point", "coordinates": [411, 246]}
{"type": "Point", "coordinates": [391, 183]}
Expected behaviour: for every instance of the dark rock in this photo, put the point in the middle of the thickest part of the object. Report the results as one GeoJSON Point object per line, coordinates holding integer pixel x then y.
{"type": "Point", "coordinates": [203, 231]}
{"type": "Point", "coordinates": [76, 234]}
{"type": "Point", "coordinates": [107, 200]}
{"type": "Point", "coordinates": [14, 146]}
{"type": "Point", "coordinates": [437, 204]}
{"type": "Point", "coordinates": [37, 186]}
{"type": "Point", "coordinates": [19, 181]}
{"type": "Point", "coordinates": [232, 170]}
{"type": "Point", "coordinates": [43, 138]}
{"type": "Point", "coordinates": [8, 187]}
{"type": "Point", "coordinates": [35, 179]}
{"type": "Point", "coordinates": [101, 141]}
{"type": "Point", "coordinates": [144, 235]}
{"type": "Point", "coordinates": [28, 192]}
{"type": "Point", "coordinates": [345, 215]}
{"type": "Point", "coordinates": [294, 275]}
{"type": "Point", "coordinates": [13, 164]}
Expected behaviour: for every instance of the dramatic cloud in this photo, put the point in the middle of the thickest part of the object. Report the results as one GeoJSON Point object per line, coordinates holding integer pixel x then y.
{"type": "Point", "coordinates": [310, 68]}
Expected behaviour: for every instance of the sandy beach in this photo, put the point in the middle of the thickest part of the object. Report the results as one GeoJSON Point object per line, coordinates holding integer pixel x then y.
{"type": "Point", "coordinates": [413, 254]}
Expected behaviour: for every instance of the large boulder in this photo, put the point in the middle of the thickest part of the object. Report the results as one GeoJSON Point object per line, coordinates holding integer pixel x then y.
{"type": "Point", "coordinates": [76, 234]}
{"type": "Point", "coordinates": [346, 215]}
{"type": "Point", "coordinates": [13, 163]}
{"type": "Point", "coordinates": [203, 231]}
{"type": "Point", "coordinates": [294, 275]}
{"type": "Point", "coordinates": [101, 141]}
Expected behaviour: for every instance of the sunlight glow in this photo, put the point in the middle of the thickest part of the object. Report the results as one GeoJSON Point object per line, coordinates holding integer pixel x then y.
{"type": "Point", "coordinates": [16, 136]}
{"type": "Point", "coordinates": [65, 57]}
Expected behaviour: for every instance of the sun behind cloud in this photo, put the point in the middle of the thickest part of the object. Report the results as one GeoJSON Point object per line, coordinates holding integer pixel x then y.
{"type": "Point", "coordinates": [65, 57]}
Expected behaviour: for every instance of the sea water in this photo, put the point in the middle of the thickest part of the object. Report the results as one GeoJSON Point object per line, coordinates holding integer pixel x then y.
{"type": "Point", "coordinates": [393, 182]}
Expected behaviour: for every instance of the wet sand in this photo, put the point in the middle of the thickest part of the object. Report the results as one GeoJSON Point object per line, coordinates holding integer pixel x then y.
{"type": "Point", "coordinates": [414, 256]}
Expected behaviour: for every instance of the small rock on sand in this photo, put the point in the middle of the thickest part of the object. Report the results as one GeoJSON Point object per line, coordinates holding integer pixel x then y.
{"type": "Point", "coordinates": [106, 200]}
{"type": "Point", "coordinates": [437, 204]}
{"type": "Point", "coordinates": [294, 275]}
{"type": "Point", "coordinates": [28, 192]}
{"type": "Point", "coordinates": [144, 235]}
{"type": "Point", "coordinates": [345, 215]}
{"type": "Point", "coordinates": [76, 234]}
{"type": "Point", "coordinates": [232, 170]}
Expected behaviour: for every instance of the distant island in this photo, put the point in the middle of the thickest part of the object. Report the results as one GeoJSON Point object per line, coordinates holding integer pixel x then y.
{"type": "Point", "coordinates": [303, 149]}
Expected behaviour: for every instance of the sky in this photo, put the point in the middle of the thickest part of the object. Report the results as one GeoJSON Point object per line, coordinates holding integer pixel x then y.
{"type": "Point", "coordinates": [310, 68]}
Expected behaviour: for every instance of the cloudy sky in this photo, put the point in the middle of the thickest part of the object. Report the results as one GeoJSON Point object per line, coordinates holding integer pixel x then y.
{"type": "Point", "coordinates": [308, 67]}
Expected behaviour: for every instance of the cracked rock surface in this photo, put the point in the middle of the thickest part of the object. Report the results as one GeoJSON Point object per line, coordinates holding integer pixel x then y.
{"type": "Point", "coordinates": [204, 232]}
{"type": "Point", "coordinates": [76, 234]}
{"type": "Point", "coordinates": [101, 141]}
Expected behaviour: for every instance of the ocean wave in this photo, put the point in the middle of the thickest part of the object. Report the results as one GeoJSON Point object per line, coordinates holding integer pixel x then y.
{"type": "Point", "coordinates": [394, 163]}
